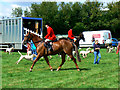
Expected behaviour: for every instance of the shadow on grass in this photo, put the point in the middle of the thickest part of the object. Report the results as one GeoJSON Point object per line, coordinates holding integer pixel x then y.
{"type": "Point", "coordinates": [74, 69]}
{"type": "Point", "coordinates": [105, 63]}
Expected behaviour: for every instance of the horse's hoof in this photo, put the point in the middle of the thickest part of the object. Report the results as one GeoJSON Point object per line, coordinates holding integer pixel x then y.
{"type": "Point", "coordinates": [78, 69]}
{"type": "Point", "coordinates": [57, 70]}
{"type": "Point", "coordinates": [30, 70]}
{"type": "Point", "coordinates": [51, 69]}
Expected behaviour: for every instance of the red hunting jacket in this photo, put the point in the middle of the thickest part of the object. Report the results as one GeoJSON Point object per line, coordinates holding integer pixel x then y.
{"type": "Point", "coordinates": [70, 35]}
{"type": "Point", "coordinates": [50, 34]}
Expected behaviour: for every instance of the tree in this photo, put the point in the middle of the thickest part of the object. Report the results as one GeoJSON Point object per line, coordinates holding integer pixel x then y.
{"type": "Point", "coordinates": [76, 14]}
{"type": "Point", "coordinates": [27, 13]}
{"type": "Point", "coordinates": [17, 12]}
{"type": "Point", "coordinates": [63, 17]}
{"type": "Point", "coordinates": [91, 14]}
{"type": "Point", "coordinates": [79, 27]}
{"type": "Point", "coordinates": [114, 18]}
{"type": "Point", "coordinates": [81, 17]}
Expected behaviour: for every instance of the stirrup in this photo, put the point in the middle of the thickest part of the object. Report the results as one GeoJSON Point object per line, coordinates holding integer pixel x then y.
{"type": "Point", "coordinates": [50, 48]}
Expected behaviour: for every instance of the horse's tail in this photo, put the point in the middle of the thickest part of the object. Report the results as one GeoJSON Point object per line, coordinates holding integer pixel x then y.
{"type": "Point", "coordinates": [77, 53]}
{"type": "Point", "coordinates": [19, 53]}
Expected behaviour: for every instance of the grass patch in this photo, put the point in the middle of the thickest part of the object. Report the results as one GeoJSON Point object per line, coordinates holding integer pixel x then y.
{"type": "Point", "coordinates": [104, 75]}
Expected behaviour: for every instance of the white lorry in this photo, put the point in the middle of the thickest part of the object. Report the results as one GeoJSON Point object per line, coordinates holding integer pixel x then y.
{"type": "Point", "coordinates": [103, 36]}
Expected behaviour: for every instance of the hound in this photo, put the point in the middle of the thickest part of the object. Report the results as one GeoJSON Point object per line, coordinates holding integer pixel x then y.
{"type": "Point", "coordinates": [29, 53]}
{"type": "Point", "coordinates": [84, 53]}
{"type": "Point", "coordinates": [27, 57]}
{"type": "Point", "coordinates": [92, 51]}
{"type": "Point", "coordinates": [110, 49]}
{"type": "Point", "coordinates": [115, 49]}
{"type": "Point", "coordinates": [9, 50]}
{"type": "Point", "coordinates": [88, 49]}
{"type": "Point", "coordinates": [79, 48]}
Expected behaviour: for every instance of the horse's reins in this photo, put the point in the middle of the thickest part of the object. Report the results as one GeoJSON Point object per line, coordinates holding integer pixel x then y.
{"type": "Point", "coordinates": [39, 41]}
{"type": "Point", "coordinates": [28, 36]}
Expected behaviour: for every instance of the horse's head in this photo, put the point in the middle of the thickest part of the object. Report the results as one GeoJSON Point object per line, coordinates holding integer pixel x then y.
{"type": "Point", "coordinates": [27, 38]}
{"type": "Point", "coordinates": [81, 37]}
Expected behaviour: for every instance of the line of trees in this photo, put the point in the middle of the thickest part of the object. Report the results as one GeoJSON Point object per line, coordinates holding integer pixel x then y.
{"type": "Point", "coordinates": [81, 17]}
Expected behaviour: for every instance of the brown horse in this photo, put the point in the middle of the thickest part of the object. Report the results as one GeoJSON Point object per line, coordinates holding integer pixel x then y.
{"type": "Point", "coordinates": [64, 46]}
{"type": "Point", "coordinates": [81, 36]}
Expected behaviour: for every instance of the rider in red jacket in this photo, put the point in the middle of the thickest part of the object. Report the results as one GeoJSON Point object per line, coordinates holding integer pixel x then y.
{"type": "Point", "coordinates": [71, 36]}
{"type": "Point", "coordinates": [50, 37]}
{"type": "Point", "coordinates": [50, 33]}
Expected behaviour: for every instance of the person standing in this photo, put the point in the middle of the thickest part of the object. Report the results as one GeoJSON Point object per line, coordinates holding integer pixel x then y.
{"type": "Point", "coordinates": [93, 40]}
{"type": "Point", "coordinates": [96, 52]}
{"type": "Point", "coordinates": [33, 49]}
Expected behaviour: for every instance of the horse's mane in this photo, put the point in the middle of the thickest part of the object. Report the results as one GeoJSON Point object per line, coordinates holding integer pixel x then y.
{"type": "Point", "coordinates": [36, 36]}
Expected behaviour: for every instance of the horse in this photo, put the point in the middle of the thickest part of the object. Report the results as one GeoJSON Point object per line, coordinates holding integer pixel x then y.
{"type": "Point", "coordinates": [63, 46]}
{"type": "Point", "coordinates": [81, 36]}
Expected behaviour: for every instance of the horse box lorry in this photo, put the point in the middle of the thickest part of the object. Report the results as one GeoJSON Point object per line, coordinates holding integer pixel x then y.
{"type": "Point", "coordinates": [13, 30]}
{"type": "Point", "coordinates": [103, 36]}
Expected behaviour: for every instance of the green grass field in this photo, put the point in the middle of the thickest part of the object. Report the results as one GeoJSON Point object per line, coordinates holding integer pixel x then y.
{"type": "Point", "coordinates": [104, 75]}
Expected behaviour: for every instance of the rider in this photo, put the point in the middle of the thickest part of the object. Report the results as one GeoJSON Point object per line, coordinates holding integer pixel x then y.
{"type": "Point", "coordinates": [71, 36]}
{"type": "Point", "coordinates": [50, 37]}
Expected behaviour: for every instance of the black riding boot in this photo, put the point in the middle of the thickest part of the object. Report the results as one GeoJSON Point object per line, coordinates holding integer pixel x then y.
{"type": "Point", "coordinates": [49, 46]}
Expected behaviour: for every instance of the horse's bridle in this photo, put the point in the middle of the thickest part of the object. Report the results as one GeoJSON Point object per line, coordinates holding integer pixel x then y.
{"type": "Point", "coordinates": [28, 37]}
{"type": "Point", "coordinates": [39, 41]}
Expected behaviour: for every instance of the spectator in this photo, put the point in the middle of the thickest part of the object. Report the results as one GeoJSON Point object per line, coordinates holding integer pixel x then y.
{"type": "Point", "coordinates": [96, 52]}
{"type": "Point", "coordinates": [33, 48]}
{"type": "Point", "coordinates": [93, 40]}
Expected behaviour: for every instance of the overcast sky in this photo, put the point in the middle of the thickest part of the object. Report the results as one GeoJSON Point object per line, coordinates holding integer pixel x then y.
{"type": "Point", "coordinates": [6, 6]}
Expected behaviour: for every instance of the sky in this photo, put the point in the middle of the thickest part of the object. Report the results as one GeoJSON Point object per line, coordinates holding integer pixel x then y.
{"type": "Point", "coordinates": [6, 6]}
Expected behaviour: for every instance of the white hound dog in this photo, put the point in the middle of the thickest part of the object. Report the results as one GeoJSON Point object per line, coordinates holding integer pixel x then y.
{"type": "Point", "coordinates": [110, 49]}
{"type": "Point", "coordinates": [9, 50]}
{"type": "Point", "coordinates": [84, 53]}
{"type": "Point", "coordinates": [88, 49]}
{"type": "Point", "coordinates": [27, 57]}
{"type": "Point", "coordinates": [29, 53]}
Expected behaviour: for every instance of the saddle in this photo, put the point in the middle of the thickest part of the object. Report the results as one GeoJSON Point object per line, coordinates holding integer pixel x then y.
{"type": "Point", "coordinates": [70, 39]}
{"type": "Point", "coordinates": [48, 45]}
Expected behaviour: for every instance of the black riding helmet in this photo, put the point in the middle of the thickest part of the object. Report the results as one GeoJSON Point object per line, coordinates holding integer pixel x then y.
{"type": "Point", "coordinates": [47, 23]}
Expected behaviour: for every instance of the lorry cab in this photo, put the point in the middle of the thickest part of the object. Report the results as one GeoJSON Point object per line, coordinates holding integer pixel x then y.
{"type": "Point", "coordinates": [103, 36]}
